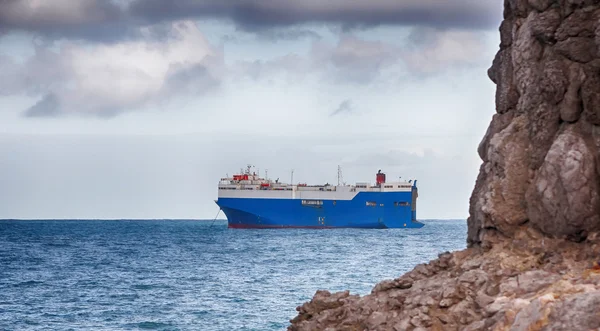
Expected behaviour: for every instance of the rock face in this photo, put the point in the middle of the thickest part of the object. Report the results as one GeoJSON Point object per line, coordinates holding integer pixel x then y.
{"type": "Point", "coordinates": [541, 152]}
{"type": "Point", "coordinates": [534, 226]}
{"type": "Point", "coordinates": [531, 283]}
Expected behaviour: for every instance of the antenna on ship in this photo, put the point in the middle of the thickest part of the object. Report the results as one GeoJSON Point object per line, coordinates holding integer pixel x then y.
{"type": "Point", "coordinates": [340, 177]}
{"type": "Point", "coordinates": [266, 173]}
{"type": "Point", "coordinates": [292, 181]}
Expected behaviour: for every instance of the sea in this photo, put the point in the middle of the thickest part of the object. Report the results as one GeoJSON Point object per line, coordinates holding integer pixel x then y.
{"type": "Point", "coordinates": [193, 274]}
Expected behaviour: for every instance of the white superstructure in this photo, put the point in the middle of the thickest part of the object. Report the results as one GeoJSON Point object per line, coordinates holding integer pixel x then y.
{"type": "Point", "coordinates": [251, 185]}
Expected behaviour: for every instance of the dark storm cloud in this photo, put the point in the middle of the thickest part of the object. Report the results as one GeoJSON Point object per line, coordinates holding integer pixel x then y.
{"type": "Point", "coordinates": [264, 14]}
{"type": "Point", "coordinates": [99, 20]}
{"type": "Point", "coordinates": [103, 20]}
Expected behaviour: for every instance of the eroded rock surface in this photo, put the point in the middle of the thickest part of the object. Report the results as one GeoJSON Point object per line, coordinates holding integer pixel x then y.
{"type": "Point", "coordinates": [533, 231]}
{"type": "Point", "coordinates": [529, 283]}
{"type": "Point", "coordinates": [540, 152]}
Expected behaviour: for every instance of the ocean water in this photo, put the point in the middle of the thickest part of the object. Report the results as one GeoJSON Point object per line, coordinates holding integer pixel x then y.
{"type": "Point", "coordinates": [192, 275]}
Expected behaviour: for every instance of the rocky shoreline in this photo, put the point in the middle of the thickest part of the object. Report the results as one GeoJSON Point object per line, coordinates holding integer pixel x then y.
{"type": "Point", "coordinates": [534, 225]}
{"type": "Point", "coordinates": [529, 283]}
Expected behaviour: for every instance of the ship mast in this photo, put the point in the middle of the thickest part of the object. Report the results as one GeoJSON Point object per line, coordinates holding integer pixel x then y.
{"type": "Point", "coordinates": [340, 177]}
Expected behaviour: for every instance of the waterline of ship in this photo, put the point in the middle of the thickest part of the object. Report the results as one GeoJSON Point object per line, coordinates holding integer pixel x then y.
{"type": "Point", "coordinates": [251, 201]}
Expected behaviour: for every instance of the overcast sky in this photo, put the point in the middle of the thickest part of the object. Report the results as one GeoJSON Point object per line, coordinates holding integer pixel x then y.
{"type": "Point", "coordinates": [136, 108]}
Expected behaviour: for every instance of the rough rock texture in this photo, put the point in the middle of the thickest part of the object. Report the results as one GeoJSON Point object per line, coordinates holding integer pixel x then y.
{"type": "Point", "coordinates": [541, 155]}
{"type": "Point", "coordinates": [534, 226]}
{"type": "Point", "coordinates": [531, 282]}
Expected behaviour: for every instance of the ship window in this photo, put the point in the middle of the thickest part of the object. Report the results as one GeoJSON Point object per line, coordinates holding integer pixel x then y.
{"type": "Point", "coordinates": [371, 203]}
{"type": "Point", "coordinates": [389, 186]}
{"type": "Point", "coordinates": [312, 202]}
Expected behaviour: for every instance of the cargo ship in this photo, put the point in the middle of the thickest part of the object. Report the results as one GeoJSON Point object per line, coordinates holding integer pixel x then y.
{"type": "Point", "coordinates": [251, 201]}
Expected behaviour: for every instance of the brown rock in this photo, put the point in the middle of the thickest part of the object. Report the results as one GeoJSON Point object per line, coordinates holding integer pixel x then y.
{"type": "Point", "coordinates": [516, 8]}
{"type": "Point", "coordinates": [506, 31]}
{"type": "Point", "coordinates": [555, 77]}
{"type": "Point", "coordinates": [476, 326]}
{"type": "Point", "coordinates": [544, 25]}
{"type": "Point", "coordinates": [579, 24]}
{"type": "Point", "coordinates": [577, 312]}
{"type": "Point", "coordinates": [475, 277]}
{"type": "Point", "coordinates": [477, 218]}
{"type": "Point", "coordinates": [534, 315]}
{"type": "Point", "coordinates": [563, 200]}
{"type": "Point", "coordinates": [544, 123]}
{"type": "Point", "coordinates": [421, 320]}
{"type": "Point", "coordinates": [590, 95]}
{"type": "Point", "coordinates": [503, 201]}
{"type": "Point", "coordinates": [483, 300]}
{"type": "Point", "coordinates": [501, 73]}
{"type": "Point", "coordinates": [528, 282]}
{"type": "Point", "coordinates": [447, 302]}
{"type": "Point", "coordinates": [376, 319]}
{"type": "Point", "coordinates": [404, 282]}
{"type": "Point", "coordinates": [577, 49]}
{"type": "Point", "coordinates": [571, 107]}
{"type": "Point", "coordinates": [540, 5]}
{"type": "Point", "coordinates": [402, 325]}
{"type": "Point", "coordinates": [499, 123]}
{"type": "Point", "coordinates": [498, 304]}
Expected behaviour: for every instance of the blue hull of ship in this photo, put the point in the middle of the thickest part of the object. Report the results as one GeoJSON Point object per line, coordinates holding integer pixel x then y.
{"type": "Point", "coordinates": [389, 212]}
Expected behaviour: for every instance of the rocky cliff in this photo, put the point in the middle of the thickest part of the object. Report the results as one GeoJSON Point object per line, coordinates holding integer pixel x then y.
{"type": "Point", "coordinates": [533, 230]}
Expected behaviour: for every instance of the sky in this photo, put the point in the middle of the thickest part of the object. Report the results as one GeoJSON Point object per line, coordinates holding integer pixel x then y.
{"type": "Point", "coordinates": [136, 108]}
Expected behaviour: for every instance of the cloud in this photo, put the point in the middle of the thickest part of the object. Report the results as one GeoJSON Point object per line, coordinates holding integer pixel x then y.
{"type": "Point", "coordinates": [105, 80]}
{"type": "Point", "coordinates": [288, 34]}
{"type": "Point", "coordinates": [354, 59]}
{"type": "Point", "coordinates": [49, 106]}
{"type": "Point", "coordinates": [194, 79]}
{"type": "Point", "coordinates": [89, 19]}
{"type": "Point", "coordinates": [293, 66]}
{"type": "Point", "coordinates": [169, 59]}
{"type": "Point", "coordinates": [427, 51]}
{"type": "Point", "coordinates": [348, 60]}
{"type": "Point", "coordinates": [431, 51]}
{"type": "Point", "coordinates": [108, 79]}
{"type": "Point", "coordinates": [262, 14]}
{"type": "Point", "coordinates": [103, 20]}
{"type": "Point", "coordinates": [35, 75]}
{"type": "Point", "coordinates": [344, 107]}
